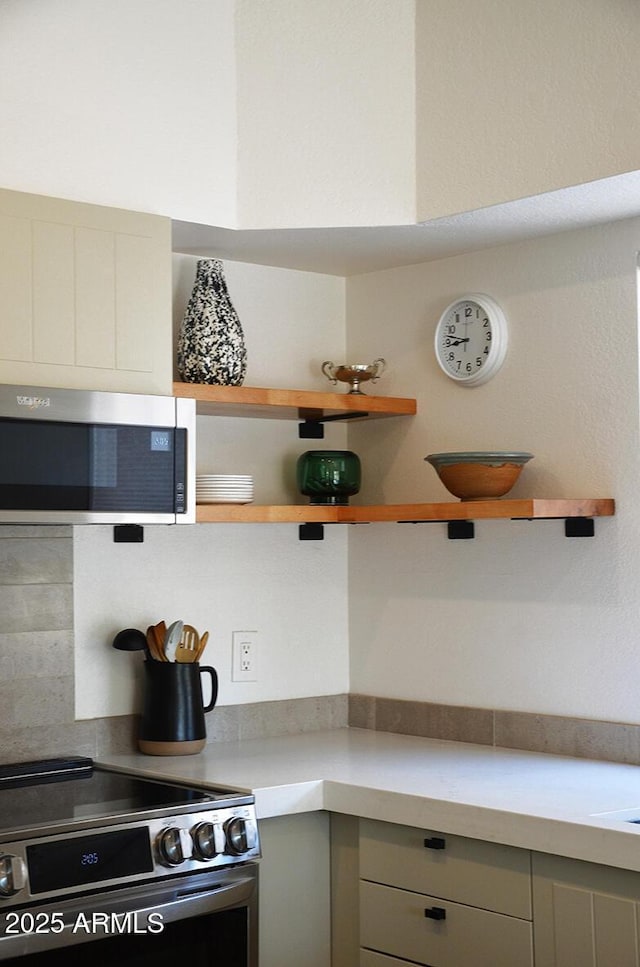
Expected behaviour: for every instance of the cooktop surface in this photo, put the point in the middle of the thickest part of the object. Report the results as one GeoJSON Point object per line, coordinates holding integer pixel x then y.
{"type": "Point", "coordinates": [42, 794]}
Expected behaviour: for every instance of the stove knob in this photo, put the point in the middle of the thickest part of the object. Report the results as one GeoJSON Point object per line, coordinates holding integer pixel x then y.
{"type": "Point", "coordinates": [174, 846]}
{"type": "Point", "coordinates": [203, 836]}
{"type": "Point", "coordinates": [241, 835]}
{"type": "Point", "coordinates": [13, 875]}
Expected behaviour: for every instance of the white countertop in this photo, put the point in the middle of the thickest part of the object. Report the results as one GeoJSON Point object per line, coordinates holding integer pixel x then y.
{"type": "Point", "coordinates": [541, 802]}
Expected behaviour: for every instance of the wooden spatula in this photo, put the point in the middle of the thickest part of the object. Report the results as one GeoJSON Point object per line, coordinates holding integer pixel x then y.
{"type": "Point", "coordinates": [189, 644]}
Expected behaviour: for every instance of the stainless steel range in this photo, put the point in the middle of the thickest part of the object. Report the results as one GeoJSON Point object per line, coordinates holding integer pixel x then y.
{"type": "Point", "coordinates": [134, 867]}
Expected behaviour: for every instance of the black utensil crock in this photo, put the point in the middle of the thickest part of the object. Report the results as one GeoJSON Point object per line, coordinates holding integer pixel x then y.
{"type": "Point", "coordinates": [173, 720]}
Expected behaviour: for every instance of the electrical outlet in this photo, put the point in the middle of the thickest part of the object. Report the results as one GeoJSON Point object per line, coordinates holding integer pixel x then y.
{"type": "Point", "coordinates": [244, 656]}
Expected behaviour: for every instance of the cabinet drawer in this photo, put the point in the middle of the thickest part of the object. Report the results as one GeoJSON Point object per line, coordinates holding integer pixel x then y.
{"type": "Point", "coordinates": [371, 958]}
{"type": "Point", "coordinates": [470, 871]}
{"type": "Point", "coordinates": [393, 921]}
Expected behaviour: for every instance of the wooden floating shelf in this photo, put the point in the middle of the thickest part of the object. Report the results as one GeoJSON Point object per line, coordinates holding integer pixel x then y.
{"type": "Point", "coordinates": [309, 405]}
{"type": "Point", "coordinates": [287, 404]}
{"type": "Point", "coordinates": [526, 508]}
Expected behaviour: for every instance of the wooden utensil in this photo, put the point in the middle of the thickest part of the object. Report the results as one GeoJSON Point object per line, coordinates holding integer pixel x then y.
{"type": "Point", "coordinates": [151, 644]}
{"type": "Point", "coordinates": [202, 645]}
{"type": "Point", "coordinates": [155, 643]}
{"type": "Point", "coordinates": [189, 645]}
{"type": "Point", "coordinates": [160, 635]}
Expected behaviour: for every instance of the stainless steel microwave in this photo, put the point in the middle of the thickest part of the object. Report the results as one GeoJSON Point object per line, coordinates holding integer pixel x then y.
{"type": "Point", "coordinates": [73, 456]}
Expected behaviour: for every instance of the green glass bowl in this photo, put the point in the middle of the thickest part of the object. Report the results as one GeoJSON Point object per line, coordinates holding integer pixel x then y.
{"type": "Point", "coordinates": [328, 476]}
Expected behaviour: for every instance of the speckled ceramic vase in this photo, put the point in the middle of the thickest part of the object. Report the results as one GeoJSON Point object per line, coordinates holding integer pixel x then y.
{"type": "Point", "coordinates": [211, 347]}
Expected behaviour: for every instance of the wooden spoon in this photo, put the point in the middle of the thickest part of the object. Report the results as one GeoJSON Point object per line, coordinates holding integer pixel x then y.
{"type": "Point", "coordinates": [151, 645]}
{"type": "Point", "coordinates": [160, 634]}
{"type": "Point", "coordinates": [202, 645]}
{"type": "Point", "coordinates": [189, 645]}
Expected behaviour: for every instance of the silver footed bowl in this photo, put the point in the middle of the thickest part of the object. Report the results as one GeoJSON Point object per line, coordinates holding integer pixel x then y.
{"type": "Point", "coordinates": [354, 373]}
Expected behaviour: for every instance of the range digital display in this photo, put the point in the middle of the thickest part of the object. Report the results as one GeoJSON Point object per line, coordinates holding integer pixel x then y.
{"type": "Point", "coordinates": [88, 859]}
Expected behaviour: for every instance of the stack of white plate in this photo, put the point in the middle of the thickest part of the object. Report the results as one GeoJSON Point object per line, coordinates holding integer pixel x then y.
{"type": "Point", "coordinates": [224, 488]}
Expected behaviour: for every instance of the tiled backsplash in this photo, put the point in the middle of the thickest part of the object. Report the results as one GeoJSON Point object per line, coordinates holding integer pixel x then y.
{"type": "Point", "coordinates": [36, 652]}
{"type": "Point", "coordinates": [37, 667]}
{"type": "Point", "coordinates": [37, 675]}
{"type": "Point", "coordinates": [532, 732]}
{"type": "Point", "coordinates": [36, 645]}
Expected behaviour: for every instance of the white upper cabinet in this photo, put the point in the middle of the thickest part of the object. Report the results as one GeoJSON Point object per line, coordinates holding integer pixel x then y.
{"type": "Point", "coordinates": [85, 295]}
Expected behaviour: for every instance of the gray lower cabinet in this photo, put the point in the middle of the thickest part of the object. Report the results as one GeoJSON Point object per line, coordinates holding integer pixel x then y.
{"type": "Point", "coordinates": [294, 909]}
{"type": "Point", "coordinates": [405, 896]}
{"type": "Point", "coordinates": [434, 899]}
{"type": "Point", "coordinates": [369, 958]}
{"type": "Point", "coordinates": [586, 915]}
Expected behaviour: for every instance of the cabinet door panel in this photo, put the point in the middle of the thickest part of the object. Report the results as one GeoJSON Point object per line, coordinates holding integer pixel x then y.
{"type": "Point", "coordinates": [586, 915]}
{"type": "Point", "coordinates": [573, 937]}
{"type": "Point", "coordinates": [615, 931]}
{"type": "Point", "coordinates": [95, 288]}
{"type": "Point", "coordinates": [470, 871]}
{"type": "Point", "coordinates": [86, 296]}
{"type": "Point", "coordinates": [393, 921]}
{"type": "Point", "coordinates": [53, 293]}
{"type": "Point", "coordinates": [134, 293]}
{"type": "Point", "coordinates": [593, 929]}
{"type": "Point", "coordinates": [15, 288]}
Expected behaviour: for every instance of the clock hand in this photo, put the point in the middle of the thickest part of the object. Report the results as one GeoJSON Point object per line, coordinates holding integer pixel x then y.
{"type": "Point", "coordinates": [456, 342]}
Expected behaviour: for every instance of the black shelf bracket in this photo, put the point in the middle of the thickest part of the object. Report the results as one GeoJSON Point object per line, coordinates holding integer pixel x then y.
{"type": "Point", "coordinates": [128, 533]}
{"type": "Point", "coordinates": [579, 527]}
{"type": "Point", "coordinates": [573, 526]}
{"type": "Point", "coordinates": [460, 530]}
{"type": "Point", "coordinates": [313, 429]}
{"type": "Point", "coordinates": [457, 530]}
{"type": "Point", "coordinates": [311, 532]}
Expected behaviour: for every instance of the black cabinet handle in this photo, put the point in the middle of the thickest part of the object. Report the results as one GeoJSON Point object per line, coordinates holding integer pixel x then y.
{"type": "Point", "coordinates": [435, 842]}
{"type": "Point", "coordinates": [436, 913]}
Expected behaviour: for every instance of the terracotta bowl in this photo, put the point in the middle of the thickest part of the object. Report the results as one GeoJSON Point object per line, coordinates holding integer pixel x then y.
{"type": "Point", "coordinates": [477, 475]}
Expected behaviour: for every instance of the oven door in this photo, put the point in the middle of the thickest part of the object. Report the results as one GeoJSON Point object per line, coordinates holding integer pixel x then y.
{"type": "Point", "coordinates": [206, 920]}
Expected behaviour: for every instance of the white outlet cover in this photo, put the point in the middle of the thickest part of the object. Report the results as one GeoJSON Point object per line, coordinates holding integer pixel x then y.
{"type": "Point", "coordinates": [244, 656]}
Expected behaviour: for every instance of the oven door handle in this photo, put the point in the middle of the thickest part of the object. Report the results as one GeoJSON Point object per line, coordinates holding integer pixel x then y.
{"type": "Point", "coordinates": [219, 898]}
{"type": "Point", "coordinates": [139, 909]}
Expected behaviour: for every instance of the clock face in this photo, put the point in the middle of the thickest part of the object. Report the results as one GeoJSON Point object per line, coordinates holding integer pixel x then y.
{"type": "Point", "coordinates": [471, 339]}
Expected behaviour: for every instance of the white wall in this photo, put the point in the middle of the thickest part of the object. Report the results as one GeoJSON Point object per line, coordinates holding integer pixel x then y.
{"type": "Point", "coordinates": [236, 113]}
{"type": "Point", "coordinates": [113, 104]}
{"type": "Point", "coordinates": [515, 99]}
{"type": "Point", "coordinates": [130, 103]}
{"type": "Point", "coordinates": [326, 122]}
{"type": "Point", "coordinates": [294, 113]}
{"type": "Point", "coordinates": [522, 617]}
{"type": "Point", "coordinates": [232, 577]}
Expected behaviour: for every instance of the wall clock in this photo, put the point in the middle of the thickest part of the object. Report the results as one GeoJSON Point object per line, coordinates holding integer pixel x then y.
{"type": "Point", "coordinates": [471, 339]}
